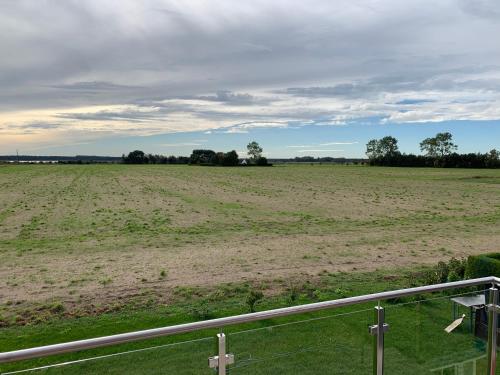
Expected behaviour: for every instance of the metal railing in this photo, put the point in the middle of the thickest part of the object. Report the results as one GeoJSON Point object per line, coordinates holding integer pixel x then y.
{"type": "Point", "coordinates": [223, 359]}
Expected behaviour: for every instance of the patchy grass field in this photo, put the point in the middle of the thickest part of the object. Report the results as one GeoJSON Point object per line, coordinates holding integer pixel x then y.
{"type": "Point", "coordinates": [96, 236]}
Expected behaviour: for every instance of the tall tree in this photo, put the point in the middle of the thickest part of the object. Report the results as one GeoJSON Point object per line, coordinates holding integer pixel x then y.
{"type": "Point", "coordinates": [230, 158]}
{"type": "Point", "coordinates": [372, 149]}
{"type": "Point", "coordinates": [254, 150]}
{"type": "Point", "coordinates": [494, 154]}
{"type": "Point", "coordinates": [389, 146]}
{"type": "Point", "coordinates": [377, 148]}
{"type": "Point", "coordinates": [438, 146]}
{"type": "Point", "coordinates": [493, 159]}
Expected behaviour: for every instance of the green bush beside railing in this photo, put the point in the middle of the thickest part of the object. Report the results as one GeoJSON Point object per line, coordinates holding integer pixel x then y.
{"type": "Point", "coordinates": [483, 265]}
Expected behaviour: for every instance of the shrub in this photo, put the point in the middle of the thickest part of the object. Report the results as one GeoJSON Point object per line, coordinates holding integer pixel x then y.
{"type": "Point", "coordinates": [253, 297]}
{"type": "Point", "coordinates": [201, 311]}
{"type": "Point", "coordinates": [261, 161]}
{"type": "Point", "coordinates": [320, 295]}
{"type": "Point", "coordinates": [483, 265]}
{"type": "Point", "coordinates": [453, 276]}
{"type": "Point", "coordinates": [343, 293]}
{"type": "Point", "coordinates": [457, 266]}
{"type": "Point", "coordinates": [442, 271]}
{"type": "Point", "coordinates": [56, 308]}
{"type": "Point", "coordinates": [293, 295]}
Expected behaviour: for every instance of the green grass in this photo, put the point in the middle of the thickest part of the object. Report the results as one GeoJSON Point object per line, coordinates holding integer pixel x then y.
{"type": "Point", "coordinates": [333, 341]}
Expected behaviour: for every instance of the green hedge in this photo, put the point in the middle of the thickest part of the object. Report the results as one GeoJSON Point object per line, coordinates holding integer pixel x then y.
{"type": "Point", "coordinates": [483, 265]}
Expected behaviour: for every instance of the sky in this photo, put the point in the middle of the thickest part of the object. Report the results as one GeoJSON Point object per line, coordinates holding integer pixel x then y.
{"type": "Point", "coordinates": [302, 78]}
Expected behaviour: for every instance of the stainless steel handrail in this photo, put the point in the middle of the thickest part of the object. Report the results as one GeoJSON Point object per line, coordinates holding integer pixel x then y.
{"type": "Point", "coordinates": [74, 346]}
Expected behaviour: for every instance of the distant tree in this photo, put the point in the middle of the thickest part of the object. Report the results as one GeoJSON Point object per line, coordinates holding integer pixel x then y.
{"type": "Point", "coordinates": [305, 159]}
{"type": "Point", "coordinates": [379, 148]}
{"type": "Point", "coordinates": [494, 155]}
{"type": "Point", "coordinates": [373, 149]}
{"type": "Point", "coordinates": [183, 160]}
{"type": "Point", "coordinates": [218, 158]}
{"type": "Point", "coordinates": [139, 157]}
{"type": "Point", "coordinates": [389, 146]}
{"type": "Point", "coordinates": [493, 159]}
{"type": "Point", "coordinates": [254, 150]}
{"type": "Point", "coordinates": [262, 161]}
{"type": "Point", "coordinates": [230, 158]}
{"type": "Point", "coordinates": [152, 159]}
{"type": "Point", "coordinates": [438, 146]}
{"type": "Point", "coordinates": [135, 157]}
{"type": "Point", "coordinates": [202, 157]}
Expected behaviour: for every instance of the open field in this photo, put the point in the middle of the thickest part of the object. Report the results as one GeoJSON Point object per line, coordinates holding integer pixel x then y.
{"type": "Point", "coordinates": [92, 250]}
{"type": "Point", "coordinates": [87, 236]}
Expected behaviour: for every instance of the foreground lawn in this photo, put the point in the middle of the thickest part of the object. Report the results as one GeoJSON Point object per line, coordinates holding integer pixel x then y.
{"type": "Point", "coordinates": [332, 341]}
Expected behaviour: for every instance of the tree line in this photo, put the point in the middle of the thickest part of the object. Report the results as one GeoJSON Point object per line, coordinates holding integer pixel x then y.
{"type": "Point", "coordinates": [439, 151]}
{"type": "Point", "coordinates": [200, 157]}
{"type": "Point", "coordinates": [210, 157]}
{"type": "Point", "coordinates": [139, 157]}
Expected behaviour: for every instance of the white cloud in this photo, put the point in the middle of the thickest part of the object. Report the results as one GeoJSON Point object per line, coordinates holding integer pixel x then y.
{"type": "Point", "coordinates": [235, 131]}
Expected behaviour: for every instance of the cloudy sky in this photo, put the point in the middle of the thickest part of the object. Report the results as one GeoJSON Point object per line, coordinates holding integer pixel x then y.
{"type": "Point", "coordinates": [301, 77]}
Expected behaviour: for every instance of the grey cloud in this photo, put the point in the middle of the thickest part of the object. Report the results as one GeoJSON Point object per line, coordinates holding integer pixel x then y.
{"type": "Point", "coordinates": [160, 54]}
{"type": "Point", "coordinates": [414, 101]}
{"type": "Point", "coordinates": [395, 84]}
{"type": "Point", "coordinates": [132, 116]}
{"type": "Point", "coordinates": [344, 89]}
{"type": "Point", "coordinates": [93, 86]}
{"type": "Point", "coordinates": [169, 49]}
{"type": "Point", "coordinates": [229, 97]}
{"type": "Point", "coordinates": [39, 125]}
{"type": "Point", "coordinates": [481, 8]}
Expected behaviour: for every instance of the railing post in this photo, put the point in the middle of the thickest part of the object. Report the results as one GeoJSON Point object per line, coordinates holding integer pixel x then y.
{"type": "Point", "coordinates": [221, 360]}
{"type": "Point", "coordinates": [492, 330]}
{"type": "Point", "coordinates": [378, 330]}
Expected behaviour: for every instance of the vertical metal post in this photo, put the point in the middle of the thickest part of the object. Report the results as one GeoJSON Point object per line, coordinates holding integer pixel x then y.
{"type": "Point", "coordinates": [222, 353]}
{"type": "Point", "coordinates": [221, 360]}
{"type": "Point", "coordinates": [380, 313]}
{"type": "Point", "coordinates": [492, 330]}
{"type": "Point", "coordinates": [378, 330]}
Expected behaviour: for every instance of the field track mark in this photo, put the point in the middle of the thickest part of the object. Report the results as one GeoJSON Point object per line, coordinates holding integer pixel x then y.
{"type": "Point", "coordinates": [29, 231]}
